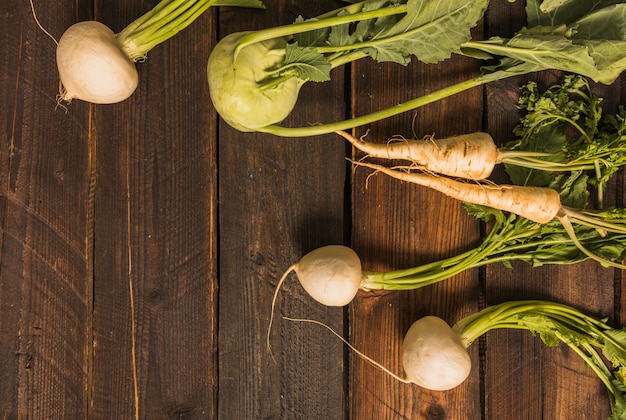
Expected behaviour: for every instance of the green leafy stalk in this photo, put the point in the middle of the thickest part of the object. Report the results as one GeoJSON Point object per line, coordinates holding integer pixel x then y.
{"type": "Point", "coordinates": [165, 20]}
{"type": "Point", "coordinates": [401, 108]}
{"type": "Point", "coordinates": [581, 37]}
{"type": "Point", "coordinates": [543, 145]}
{"type": "Point", "coordinates": [594, 340]}
{"type": "Point", "coordinates": [600, 235]}
{"type": "Point", "coordinates": [511, 238]}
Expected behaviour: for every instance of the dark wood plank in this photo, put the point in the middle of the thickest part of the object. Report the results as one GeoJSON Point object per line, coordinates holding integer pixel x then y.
{"type": "Point", "coordinates": [279, 198]}
{"type": "Point", "coordinates": [44, 188]}
{"type": "Point", "coordinates": [155, 256]}
{"type": "Point", "coordinates": [397, 225]}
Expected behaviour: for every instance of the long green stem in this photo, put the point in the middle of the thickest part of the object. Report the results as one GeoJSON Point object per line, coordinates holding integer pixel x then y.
{"type": "Point", "coordinates": [500, 245]}
{"type": "Point", "coordinates": [497, 316]}
{"type": "Point", "coordinates": [385, 113]}
{"type": "Point", "coordinates": [428, 274]}
{"type": "Point", "coordinates": [554, 322]}
{"type": "Point", "coordinates": [164, 21]}
{"type": "Point", "coordinates": [508, 241]}
{"type": "Point", "coordinates": [315, 24]}
{"type": "Point", "coordinates": [544, 165]}
{"type": "Point", "coordinates": [588, 218]}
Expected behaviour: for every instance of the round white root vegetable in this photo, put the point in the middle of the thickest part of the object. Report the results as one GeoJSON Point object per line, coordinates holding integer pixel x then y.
{"type": "Point", "coordinates": [93, 66]}
{"type": "Point", "coordinates": [98, 66]}
{"type": "Point", "coordinates": [433, 355]}
{"type": "Point", "coordinates": [236, 83]}
{"type": "Point", "coordinates": [331, 275]}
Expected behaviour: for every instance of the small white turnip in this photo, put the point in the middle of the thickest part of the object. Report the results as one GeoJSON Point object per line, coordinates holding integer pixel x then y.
{"type": "Point", "coordinates": [92, 65]}
{"type": "Point", "coordinates": [433, 355]}
{"type": "Point", "coordinates": [331, 275]}
{"type": "Point", "coordinates": [98, 66]}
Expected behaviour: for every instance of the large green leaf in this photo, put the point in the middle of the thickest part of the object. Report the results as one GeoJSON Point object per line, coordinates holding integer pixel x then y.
{"type": "Point", "coordinates": [431, 30]}
{"type": "Point", "coordinates": [562, 12]}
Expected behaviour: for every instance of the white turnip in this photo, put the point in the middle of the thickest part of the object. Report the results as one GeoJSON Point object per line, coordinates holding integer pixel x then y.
{"type": "Point", "coordinates": [331, 275]}
{"type": "Point", "coordinates": [98, 66]}
{"type": "Point", "coordinates": [92, 65]}
{"type": "Point", "coordinates": [433, 355]}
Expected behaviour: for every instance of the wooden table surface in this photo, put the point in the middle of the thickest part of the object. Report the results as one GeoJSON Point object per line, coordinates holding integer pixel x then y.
{"type": "Point", "coordinates": [141, 242]}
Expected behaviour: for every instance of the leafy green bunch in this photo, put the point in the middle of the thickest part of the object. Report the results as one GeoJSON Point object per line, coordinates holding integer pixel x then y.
{"type": "Point", "coordinates": [567, 123]}
{"type": "Point", "coordinates": [545, 126]}
{"type": "Point", "coordinates": [593, 340]}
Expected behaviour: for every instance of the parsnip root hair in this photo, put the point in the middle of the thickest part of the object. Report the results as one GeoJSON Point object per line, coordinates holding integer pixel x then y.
{"type": "Point", "coordinates": [540, 205]}
{"type": "Point", "coordinates": [472, 156]}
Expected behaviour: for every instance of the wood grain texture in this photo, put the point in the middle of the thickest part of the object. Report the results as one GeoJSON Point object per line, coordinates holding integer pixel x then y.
{"type": "Point", "coordinates": [44, 328]}
{"type": "Point", "coordinates": [155, 255]}
{"type": "Point", "coordinates": [141, 242]}
{"type": "Point", "coordinates": [279, 198]}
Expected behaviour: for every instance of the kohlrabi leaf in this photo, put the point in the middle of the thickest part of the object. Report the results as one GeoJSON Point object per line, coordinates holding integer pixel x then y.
{"type": "Point", "coordinates": [561, 12]}
{"type": "Point", "coordinates": [542, 48]}
{"type": "Point", "coordinates": [608, 23]}
{"type": "Point", "coordinates": [548, 6]}
{"type": "Point", "coordinates": [583, 37]}
{"type": "Point", "coordinates": [306, 62]}
{"type": "Point", "coordinates": [603, 33]}
{"type": "Point", "coordinates": [431, 30]}
{"type": "Point", "coordinates": [314, 38]}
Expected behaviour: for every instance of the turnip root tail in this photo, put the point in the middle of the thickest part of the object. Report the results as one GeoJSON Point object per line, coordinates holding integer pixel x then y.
{"type": "Point", "coordinates": [354, 349]}
{"type": "Point", "coordinates": [278, 286]}
{"type": "Point", "coordinates": [39, 25]}
{"type": "Point", "coordinates": [331, 275]}
{"type": "Point", "coordinates": [540, 205]}
{"type": "Point", "coordinates": [471, 156]}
